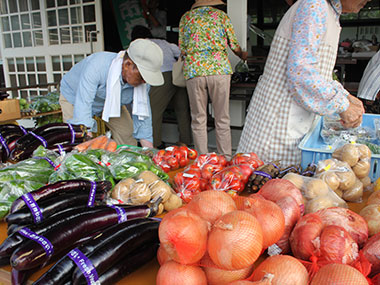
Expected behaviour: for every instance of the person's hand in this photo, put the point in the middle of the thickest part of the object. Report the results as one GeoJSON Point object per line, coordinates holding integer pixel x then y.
{"type": "Point", "coordinates": [145, 143]}
{"type": "Point", "coordinates": [352, 117]}
{"type": "Point", "coordinates": [244, 55]}
{"type": "Point", "coordinates": [89, 134]}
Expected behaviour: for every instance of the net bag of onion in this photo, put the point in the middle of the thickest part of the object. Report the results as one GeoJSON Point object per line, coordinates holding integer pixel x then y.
{"type": "Point", "coordinates": [210, 234]}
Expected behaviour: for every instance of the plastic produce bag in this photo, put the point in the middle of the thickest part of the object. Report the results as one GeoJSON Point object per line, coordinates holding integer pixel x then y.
{"type": "Point", "coordinates": [124, 164]}
{"type": "Point", "coordinates": [341, 179]}
{"type": "Point", "coordinates": [316, 192]}
{"type": "Point", "coordinates": [79, 165]}
{"type": "Point", "coordinates": [334, 134]}
{"type": "Point", "coordinates": [146, 187]}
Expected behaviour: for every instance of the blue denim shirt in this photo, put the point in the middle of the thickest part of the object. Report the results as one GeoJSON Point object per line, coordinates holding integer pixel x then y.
{"type": "Point", "coordinates": [84, 86]}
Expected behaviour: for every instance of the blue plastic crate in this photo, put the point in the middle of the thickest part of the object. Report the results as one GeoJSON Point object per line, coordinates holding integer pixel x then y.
{"type": "Point", "coordinates": [314, 149]}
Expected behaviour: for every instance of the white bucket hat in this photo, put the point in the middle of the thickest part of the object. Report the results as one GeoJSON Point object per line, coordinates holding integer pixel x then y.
{"type": "Point", "coordinates": [148, 58]}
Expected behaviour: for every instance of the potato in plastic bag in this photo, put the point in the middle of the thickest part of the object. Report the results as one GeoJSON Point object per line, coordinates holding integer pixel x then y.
{"type": "Point", "coordinates": [355, 193]}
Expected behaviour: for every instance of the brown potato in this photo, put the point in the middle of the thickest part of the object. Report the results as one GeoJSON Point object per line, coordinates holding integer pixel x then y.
{"type": "Point", "coordinates": [161, 189]}
{"type": "Point", "coordinates": [355, 193]}
{"type": "Point", "coordinates": [364, 151]}
{"type": "Point", "coordinates": [350, 154]}
{"type": "Point", "coordinates": [347, 179]}
{"type": "Point", "coordinates": [295, 178]}
{"type": "Point", "coordinates": [148, 177]}
{"type": "Point", "coordinates": [362, 168]}
{"type": "Point", "coordinates": [173, 203]}
{"type": "Point", "coordinates": [140, 193]}
{"type": "Point", "coordinates": [315, 188]}
{"type": "Point", "coordinates": [331, 179]}
{"type": "Point", "coordinates": [122, 189]}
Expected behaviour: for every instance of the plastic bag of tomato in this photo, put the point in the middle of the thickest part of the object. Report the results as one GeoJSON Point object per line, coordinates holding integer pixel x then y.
{"type": "Point", "coordinates": [174, 157]}
{"type": "Point", "coordinates": [213, 171]}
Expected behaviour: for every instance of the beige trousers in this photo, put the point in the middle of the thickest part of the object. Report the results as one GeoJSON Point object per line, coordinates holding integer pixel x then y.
{"type": "Point", "coordinates": [121, 128]}
{"type": "Point", "coordinates": [160, 97]}
{"type": "Point", "coordinates": [217, 87]}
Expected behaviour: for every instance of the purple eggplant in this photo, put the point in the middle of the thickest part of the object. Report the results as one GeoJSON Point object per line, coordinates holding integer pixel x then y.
{"type": "Point", "coordinates": [31, 254]}
{"type": "Point", "coordinates": [48, 129]}
{"type": "Point", "coordinates": [64, 186]}
{"type": "Point", "coordinates": [61, 272]}
{"type": "Point", "coordinates": [13, 241]}
{"type": "Point", "coordinates": [130, 263]}
{"type": "Point", "coordinates": [48, 207]}
{"type": "Point", "coordinates": [112, 252]}
{"type": "Point", "coordinates": [24, 151]}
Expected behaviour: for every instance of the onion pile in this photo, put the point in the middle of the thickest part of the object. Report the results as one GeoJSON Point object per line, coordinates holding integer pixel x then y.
{"type": "Point", "coordinates": [209, 236]}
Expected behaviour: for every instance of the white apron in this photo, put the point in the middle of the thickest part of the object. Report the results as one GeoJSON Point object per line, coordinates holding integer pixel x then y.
{"type": "Point", "coordinates": [275, 123]}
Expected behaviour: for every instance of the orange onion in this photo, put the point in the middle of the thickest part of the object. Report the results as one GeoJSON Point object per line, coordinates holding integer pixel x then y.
{"type": "Point", "coordinates": [218, 276]}
{"type": "Point", "coordinates": [371, 251]}
{"type": "Point", "coordinates": [235, 240]}
{"type": "Point", "coordinates": [292, 214]}
{"type": "Point", "coordinates": [335, 273]}
{"type": "Point", "coordinates": [210, 205]}
{"type": "Point", "coordinates": [183, 235]}
{"type": "Point", "coordinates": [276, 189]}
{"type": "Point", "coordinates": [174, 273]}
{"type": "Point", "coordinates": [285, 270]}
{"type": "Point", "coordinates": [162, 255]}
{"type": "Point", "coordinates": [269, 215]}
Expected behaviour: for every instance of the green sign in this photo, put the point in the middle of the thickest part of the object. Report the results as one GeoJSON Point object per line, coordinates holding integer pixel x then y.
{"type": "Point", "coordinates": [128, 14]}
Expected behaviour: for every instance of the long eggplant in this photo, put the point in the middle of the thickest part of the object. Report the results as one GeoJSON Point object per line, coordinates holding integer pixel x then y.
{"type": "Point", "coordinates": [48, 129]}
{"type": "Point", "coordinates": [48, 207]}
{"type": "Point", "coordinates": [22, 152]}
{"type": "Point", "coordinates": [31, 254]}
{"type": "Point", "coordinates": [61, 272]}
{"type": "Point", "coordinates": [62, 187]}
{"type": "Point", "coordinates": [13, 241]}
{"type": "Point", "coordinates": [116, 249]}
{"type": "Point", "coordinates": [21, 277]}
{"type": "Point", "coordinates": [129, 264]}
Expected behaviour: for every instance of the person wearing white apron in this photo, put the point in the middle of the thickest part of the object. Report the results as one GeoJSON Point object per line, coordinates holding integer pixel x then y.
{"type": "Point", "coordinates": [297, 83]}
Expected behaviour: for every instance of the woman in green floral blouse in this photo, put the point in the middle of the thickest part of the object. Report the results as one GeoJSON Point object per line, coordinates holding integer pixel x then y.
{"type": "Point", "coordinates": [205, 33]}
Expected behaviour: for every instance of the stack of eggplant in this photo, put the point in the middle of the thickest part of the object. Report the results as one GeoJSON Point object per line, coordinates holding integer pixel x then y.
{"type": "Point", "coordinates": [69, 221]}
{"type": "Point", "coordinates": [9, 134]}
{"type": "Point", "coordinates": [18, 144]}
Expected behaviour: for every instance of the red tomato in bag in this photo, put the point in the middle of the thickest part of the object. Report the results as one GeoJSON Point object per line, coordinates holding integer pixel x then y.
{"type": "Point", "coordinates": [173, 163]}
{"type": "Point", "coordinates": [183, 161]}
{"type": "Point", "coordinates": [192, 153]}
{"type": "Point", "coordinates": [178, 179]}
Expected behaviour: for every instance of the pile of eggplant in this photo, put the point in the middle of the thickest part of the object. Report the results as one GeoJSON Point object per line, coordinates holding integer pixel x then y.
{"type": "Point", "coordinates": [18, 143]}
{"type": "Point", "coordinates": [9, 134]}
{"type": "Point", "coordinates": [69, 223]}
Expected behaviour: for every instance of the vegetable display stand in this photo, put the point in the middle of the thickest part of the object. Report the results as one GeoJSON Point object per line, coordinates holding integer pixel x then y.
{"type": "Point", "coordinates": [145, 275]}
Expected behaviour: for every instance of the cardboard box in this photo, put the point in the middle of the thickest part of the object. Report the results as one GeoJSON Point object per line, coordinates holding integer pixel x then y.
{"type": "Point", "coordinates": [9, 110]}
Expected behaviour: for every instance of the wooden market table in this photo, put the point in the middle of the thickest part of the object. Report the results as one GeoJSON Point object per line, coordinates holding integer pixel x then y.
{"type": "Point", "coordinates": [145, 275]}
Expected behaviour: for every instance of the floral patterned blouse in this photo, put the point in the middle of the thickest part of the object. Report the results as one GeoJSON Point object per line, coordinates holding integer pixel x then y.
{"type": "Point", "coordinates": [315, 94]}
{"type": "Point", "coordinates": [204, 34]}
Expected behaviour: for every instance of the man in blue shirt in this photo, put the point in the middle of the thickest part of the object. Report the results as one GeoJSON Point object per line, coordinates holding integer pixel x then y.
{"type": "Point", "coordinates": [105, 83]}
